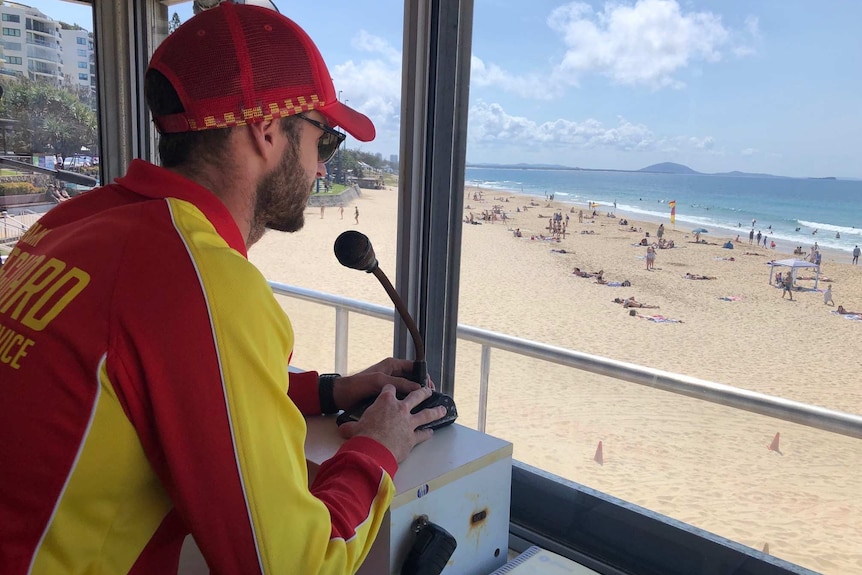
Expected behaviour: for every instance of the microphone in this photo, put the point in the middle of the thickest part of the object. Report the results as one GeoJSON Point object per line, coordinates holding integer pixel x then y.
{"type": "Point", "coordinates": [353, 250]}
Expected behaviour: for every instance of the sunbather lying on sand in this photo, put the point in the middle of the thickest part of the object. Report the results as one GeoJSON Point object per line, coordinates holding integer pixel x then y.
{"type": "Point", "coordinates": [632, 302]}
{"type": "Point", "coordinates": [579, 273]}
{"type": "Point", "coordinates": [603, 281]}
{"type": "Point", "coordinates": [689, 276]}
{"type": "Point", "coordinates": [843, 311]}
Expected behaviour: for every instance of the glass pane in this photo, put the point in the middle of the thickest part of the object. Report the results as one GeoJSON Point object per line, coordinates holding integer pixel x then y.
{"type": "Point", "coordinates": [362, 51]}
{"type": "Point", "coordinates": [584, 135]}
{"type": "Point", "coordinates": [48, 110]}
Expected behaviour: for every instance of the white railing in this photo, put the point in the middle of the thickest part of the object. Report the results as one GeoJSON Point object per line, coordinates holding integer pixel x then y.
{"type": "Point", "coordinates": [778, 407]}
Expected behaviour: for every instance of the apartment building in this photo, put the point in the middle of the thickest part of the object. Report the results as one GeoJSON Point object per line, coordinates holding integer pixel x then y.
{"type": "Point", "coordinates": [36, 46]}
{"type": "Point", "coordinates": [78, 60]}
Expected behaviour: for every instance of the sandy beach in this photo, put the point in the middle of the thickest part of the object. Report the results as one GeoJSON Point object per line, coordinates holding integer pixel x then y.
{"type": "Point", "coordinates": [700, 463]}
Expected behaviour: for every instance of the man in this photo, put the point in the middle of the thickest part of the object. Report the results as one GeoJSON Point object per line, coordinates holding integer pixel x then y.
{"type": "Point", "coordinates": [856, 253]}
{"type": "Point", "coordinates": [787, 285]}
{"type": "Point", "coordinates": [144, 368]}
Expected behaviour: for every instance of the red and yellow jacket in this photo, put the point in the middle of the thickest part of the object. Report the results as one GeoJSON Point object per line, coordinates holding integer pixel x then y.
{"type": "Point", "coordinates": [144, 382]}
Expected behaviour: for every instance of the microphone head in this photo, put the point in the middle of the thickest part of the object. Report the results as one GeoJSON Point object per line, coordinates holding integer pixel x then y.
{"type": "Point", "coordinates": [353, 250]}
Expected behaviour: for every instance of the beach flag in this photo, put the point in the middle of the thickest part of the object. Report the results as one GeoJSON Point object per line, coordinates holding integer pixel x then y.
{"type": "Point", "coordinates": [672, 205]}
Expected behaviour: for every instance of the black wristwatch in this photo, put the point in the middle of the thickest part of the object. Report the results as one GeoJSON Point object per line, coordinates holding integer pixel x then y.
{"type": "Point", "coordinates": [325, 381]}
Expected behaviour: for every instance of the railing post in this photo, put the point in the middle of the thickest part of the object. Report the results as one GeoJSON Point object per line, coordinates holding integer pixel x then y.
{"type": "Point", "coordinates": [484, 373]}
{"type": "Point", "coordinates": [341, 325]}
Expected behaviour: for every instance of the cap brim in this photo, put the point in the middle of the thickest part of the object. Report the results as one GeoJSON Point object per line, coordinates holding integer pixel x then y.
{"type": "Point", "coordinates": [357, 125]}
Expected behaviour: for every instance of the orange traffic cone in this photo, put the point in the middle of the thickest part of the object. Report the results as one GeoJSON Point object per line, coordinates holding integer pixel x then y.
{"type": "Point", "coordinates": [774, 445]}
{"type": "Point", "coordinates": [599, 457]}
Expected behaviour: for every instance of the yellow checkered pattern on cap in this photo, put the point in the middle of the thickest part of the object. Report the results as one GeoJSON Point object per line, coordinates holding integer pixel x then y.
{"type": "Point", "coordinates": [280, 109]}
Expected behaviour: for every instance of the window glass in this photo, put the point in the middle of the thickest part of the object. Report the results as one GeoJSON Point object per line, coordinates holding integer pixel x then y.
{"type": "Point", "coordinates": [362, 50]}
{"type": "Point", "coordinates": [609, 128]}
{"type": "Point", "coordinates": [48, 111]}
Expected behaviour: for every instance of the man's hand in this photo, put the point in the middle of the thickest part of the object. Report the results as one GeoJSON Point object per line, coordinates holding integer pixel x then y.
{"type": "Point", "coordinates": [349, 390]}
{"type": "Point", "coordinates": [389, 421]}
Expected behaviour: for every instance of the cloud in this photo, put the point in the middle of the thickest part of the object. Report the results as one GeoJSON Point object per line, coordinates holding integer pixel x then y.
{"type": "Point", "coordinates": [483, 75]}
{"type": "Point", "coordinates": [490, 124]}
{"type": "Point", "coordinates": [749, 151]}
{"type": "Point", "coordinates": [705, 143]}
{"type": "Point", "coordinates": [369, 43]}
{"type": "Point", "coordinates": [646, 43]}
{"type": "Point", "coordinates": [372, 85]}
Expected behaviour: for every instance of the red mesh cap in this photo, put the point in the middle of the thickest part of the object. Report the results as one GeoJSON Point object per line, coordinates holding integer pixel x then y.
{"type": "Point", "coordinates": [239, 64]}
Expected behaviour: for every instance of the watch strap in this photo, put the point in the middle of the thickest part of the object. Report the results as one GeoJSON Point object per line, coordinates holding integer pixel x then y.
{"type": "Point", "coordinates": [325, 383]}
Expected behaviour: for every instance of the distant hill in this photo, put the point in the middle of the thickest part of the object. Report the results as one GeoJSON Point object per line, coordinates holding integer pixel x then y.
{"type": "Point", "coordinates": [521, 166]}
{"type": "Point", "coordinates": [668, 168]}
{"type": "Point", "coordinates": [748, 175]}
{"type": "Point", "coordinates": [661, 168]}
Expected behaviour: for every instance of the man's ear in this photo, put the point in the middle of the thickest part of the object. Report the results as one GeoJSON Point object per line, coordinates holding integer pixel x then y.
{"type": "Point", "coordinates": [262, 136]}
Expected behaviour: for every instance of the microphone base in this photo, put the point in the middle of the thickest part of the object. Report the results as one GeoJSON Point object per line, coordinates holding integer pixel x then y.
{"type": "Point", "coordinates": [436, 399]}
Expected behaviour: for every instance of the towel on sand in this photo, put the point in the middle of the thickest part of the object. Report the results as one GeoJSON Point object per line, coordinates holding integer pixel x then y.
{"type": "Point", "coordinates": [854, 316]}
{"type": "Point", "coordinates": [660, 319]}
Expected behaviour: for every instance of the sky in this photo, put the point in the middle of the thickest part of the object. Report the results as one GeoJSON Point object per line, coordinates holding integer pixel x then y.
{"type": "Point", "coordinates": [772, 86]}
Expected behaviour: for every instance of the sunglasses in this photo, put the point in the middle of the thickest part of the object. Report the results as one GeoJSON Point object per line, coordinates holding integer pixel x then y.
{"type": "Point", "coordinates": [328, 142]}
{"type": "Point", "coordinates": [201, 5]}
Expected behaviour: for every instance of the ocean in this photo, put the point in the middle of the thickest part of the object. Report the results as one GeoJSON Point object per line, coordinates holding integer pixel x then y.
{"type": "Point", "coordinates": [792, 211]}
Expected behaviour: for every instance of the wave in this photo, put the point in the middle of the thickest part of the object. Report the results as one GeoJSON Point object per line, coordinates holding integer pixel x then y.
{"type": "Point", "coordinates": [831, 228]}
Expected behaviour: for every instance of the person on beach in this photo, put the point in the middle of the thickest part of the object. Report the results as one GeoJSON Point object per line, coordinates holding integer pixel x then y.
{"type": "Point", "coordinates": [147, 395]}
{"type": "Point", "coordinates": [751, 237]}
{"type": "Point", "coordinates": [843, 311]}
{"type": "Point", "coordinates": [577, 271]}
{"type": "Point", "coordinates": [650, 258]}
{"type": "Point", "coordinates": [691, 276]}
{"type": "Point", "coordinates": [787, 286]}
{"type": "Point", "coordinates": [660, 231]}
{"type": "Point", "coordinates": [632, 302]}
{"type": "Point", "coordinates": [827, 296]}
{"type": "Point", "coordinates": [341, 212]}
{"type": "Point", "coordinates": [856, 253]}
{"type": "Point", "coordinates": [356, 215]}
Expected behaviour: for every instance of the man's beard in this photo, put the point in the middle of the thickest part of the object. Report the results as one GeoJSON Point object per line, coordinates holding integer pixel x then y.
{"type": "Point", "coordinates": [281, 197]}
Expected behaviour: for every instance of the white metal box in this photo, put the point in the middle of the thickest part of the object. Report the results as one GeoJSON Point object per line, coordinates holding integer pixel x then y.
{"type": "Point", "coordinates": [461, 479]}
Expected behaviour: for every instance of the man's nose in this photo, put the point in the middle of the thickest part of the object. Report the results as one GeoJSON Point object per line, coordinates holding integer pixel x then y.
{"type": "Point", "coordinates": [321, 170]}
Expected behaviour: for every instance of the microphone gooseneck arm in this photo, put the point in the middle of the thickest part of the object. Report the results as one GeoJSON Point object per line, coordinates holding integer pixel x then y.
{"type": "Point", "coordinates": [418, 342]}
{"type": "Point", "coordinates": [353, 250]}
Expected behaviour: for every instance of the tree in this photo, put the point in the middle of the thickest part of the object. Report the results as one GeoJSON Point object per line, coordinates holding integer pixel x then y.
{"type": "Point", "coordinates": [48, 119]}
{"type": "Point", "coordinates": [174, 23]}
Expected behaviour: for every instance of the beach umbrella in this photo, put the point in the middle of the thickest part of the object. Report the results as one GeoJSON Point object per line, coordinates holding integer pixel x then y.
{"type": "Point", "coordinates": [700, 231]}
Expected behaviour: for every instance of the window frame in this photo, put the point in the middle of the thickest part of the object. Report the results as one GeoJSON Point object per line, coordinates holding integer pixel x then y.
{"type": "Point", "coordinates": [435, 89]}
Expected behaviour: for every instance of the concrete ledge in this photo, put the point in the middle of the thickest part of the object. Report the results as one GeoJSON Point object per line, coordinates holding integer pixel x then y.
{"type": "Point", "coordinates": [342, 199]}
